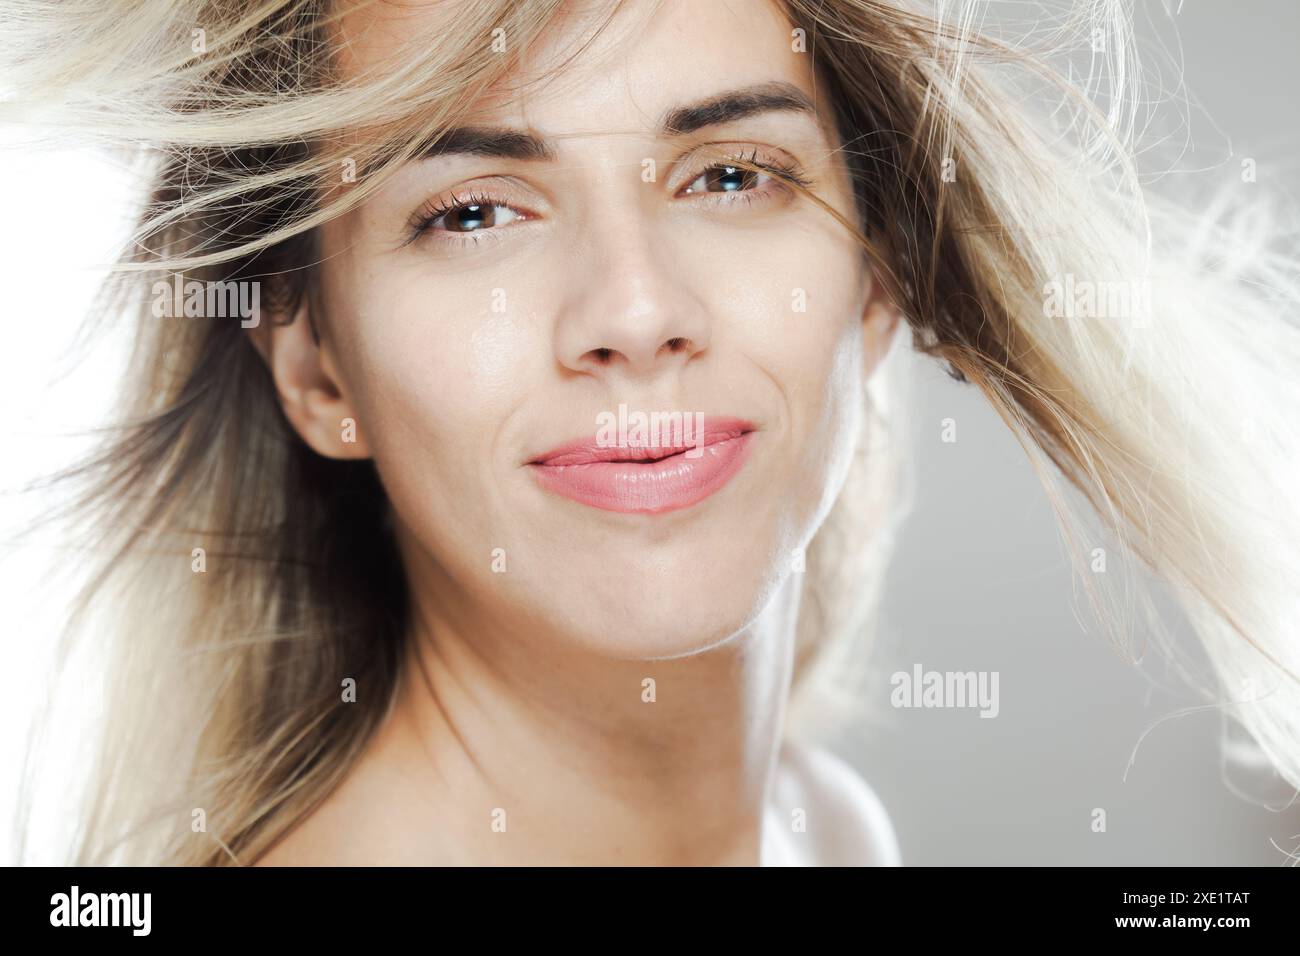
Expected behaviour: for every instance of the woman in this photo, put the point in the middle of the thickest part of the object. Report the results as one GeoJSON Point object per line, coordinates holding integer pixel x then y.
{"type": "Point", "coordinates": [508, 464]}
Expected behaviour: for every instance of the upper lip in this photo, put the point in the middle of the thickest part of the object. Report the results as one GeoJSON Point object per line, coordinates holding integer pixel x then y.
{"type": "Point", "coordinates": [586, 450]}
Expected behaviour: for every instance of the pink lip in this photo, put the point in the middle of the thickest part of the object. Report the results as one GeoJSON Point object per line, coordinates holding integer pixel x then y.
{"type": "Point", "coordinates": [646, 479]}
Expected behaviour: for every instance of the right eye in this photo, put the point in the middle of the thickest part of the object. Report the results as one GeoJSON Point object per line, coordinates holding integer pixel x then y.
{"type": "Point", "coordinates": [463, 215]}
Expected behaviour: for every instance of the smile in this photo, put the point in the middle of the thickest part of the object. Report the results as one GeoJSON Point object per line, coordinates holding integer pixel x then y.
{"type": "Point", "coordinates": [646, 479]}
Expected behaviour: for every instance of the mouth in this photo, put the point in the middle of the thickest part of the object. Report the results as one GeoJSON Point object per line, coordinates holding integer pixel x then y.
{"type": "Point", "coordinates": [674, 473]}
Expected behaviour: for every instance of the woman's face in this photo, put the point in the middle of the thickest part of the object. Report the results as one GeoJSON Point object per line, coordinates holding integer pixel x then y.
{"type": "Point", "coordinates": [588, 249]}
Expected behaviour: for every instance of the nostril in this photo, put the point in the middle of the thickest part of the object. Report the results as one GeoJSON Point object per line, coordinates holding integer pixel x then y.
{"type": "Point", "coordinates": [676, 344]}
{"type": "Point", "coordinates": [603, 355]}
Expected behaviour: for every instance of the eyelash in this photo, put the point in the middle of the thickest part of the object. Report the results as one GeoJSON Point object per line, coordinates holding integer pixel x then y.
{"type": "Point", "coordinates": [422, 222]}
{"type": "Point", "coordinates": [435, 209]}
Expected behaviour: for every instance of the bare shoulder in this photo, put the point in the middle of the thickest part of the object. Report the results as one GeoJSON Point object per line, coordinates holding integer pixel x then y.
{"type": "Point", "coordinates": [844, 821]}
{"type": "Point", "coordinates": [312, 841]}
{"type": "Point", "coordinates": [354, 826]}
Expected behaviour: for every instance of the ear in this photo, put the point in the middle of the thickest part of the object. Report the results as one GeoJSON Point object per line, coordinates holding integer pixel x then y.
{"type": "Point", "coordinates": [310, 390]}
{"type": "Point", "coordinates": [879, 324]}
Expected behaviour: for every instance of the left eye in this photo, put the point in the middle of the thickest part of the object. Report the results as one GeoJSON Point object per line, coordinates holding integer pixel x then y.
{"type": "Point", "coordinates": [726, 179]}
{"type": "Point", "coordinates": [474, 218]}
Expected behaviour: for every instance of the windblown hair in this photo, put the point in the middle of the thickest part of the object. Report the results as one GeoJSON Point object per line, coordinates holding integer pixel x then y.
{"type": "Point", "coordinates": [1172, 423]}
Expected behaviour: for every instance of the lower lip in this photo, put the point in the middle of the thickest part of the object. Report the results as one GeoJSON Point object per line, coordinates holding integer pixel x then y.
{"type": "Point", "coordinates": [651, 487]}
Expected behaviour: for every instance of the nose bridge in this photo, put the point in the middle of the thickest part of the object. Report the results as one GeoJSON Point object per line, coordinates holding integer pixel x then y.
{"type": "Point", "coordinates": [629, 312]}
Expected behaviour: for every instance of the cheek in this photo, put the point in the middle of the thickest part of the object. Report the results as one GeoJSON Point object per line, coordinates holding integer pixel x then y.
{"type": "Point", "coordinates": [431, 364]}
{"type": "Point", "coordinates": [795, 311]}
{"type": "Point", "coordinates": [433, 373]}
{"type": "Point", "coordinates": [790, 304]}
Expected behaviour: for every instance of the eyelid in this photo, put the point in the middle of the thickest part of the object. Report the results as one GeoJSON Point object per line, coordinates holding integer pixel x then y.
{"type": "Point", "coordinates": [781, 164]}
{"type": "Point", "coordinates": [417, 224]}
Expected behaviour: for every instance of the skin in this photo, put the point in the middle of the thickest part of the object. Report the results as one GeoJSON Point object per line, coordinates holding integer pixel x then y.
{"type": "Point", "coordinates": [525, 690]}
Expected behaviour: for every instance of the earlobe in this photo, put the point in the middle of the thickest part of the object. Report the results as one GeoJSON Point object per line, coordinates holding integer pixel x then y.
{"type": "Point", "coordinates": [310, 389]}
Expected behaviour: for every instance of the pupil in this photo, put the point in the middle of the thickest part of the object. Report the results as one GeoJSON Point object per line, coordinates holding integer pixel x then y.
{"type": "Point", "coordinates": [469, 218]}
{"type": "Point", "coordinates": [732, 178]}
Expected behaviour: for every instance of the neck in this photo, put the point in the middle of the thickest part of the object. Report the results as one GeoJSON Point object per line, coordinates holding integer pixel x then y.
{"type": "Point", "coordinates": [531, 750]}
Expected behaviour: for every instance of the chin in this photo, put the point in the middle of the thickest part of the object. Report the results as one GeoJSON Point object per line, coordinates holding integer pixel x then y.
{"type": "Point", "coordinates": [686, 608]}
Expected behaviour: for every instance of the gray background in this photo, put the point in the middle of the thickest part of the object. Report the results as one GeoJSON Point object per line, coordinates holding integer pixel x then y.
{"type": "Point", "coordinates": [981, 581]}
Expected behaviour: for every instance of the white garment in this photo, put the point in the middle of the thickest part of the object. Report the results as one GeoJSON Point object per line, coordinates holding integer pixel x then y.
{"type": "Point", "coordinates": [844, 823]}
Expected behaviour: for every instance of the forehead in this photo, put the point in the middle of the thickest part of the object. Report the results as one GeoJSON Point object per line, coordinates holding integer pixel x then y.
{"type": "Point", "coordinates": [599, 66]}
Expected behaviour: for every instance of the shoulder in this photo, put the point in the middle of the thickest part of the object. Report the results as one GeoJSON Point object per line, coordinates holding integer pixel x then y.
{"type": "Point", "coordinates": [354, 824]}
{"type": "Point", "coordinates": [311, 841]}
{"type": "Point", "coordinates": [823, 813]}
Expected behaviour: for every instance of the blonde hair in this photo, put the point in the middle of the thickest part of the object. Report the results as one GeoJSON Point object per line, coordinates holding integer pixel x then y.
{"type": "Point", "coordinates": [1172, 424]}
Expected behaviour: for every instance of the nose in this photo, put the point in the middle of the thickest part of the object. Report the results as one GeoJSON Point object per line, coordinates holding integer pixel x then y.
{"type": "Point", "coordinates": [629, 315]}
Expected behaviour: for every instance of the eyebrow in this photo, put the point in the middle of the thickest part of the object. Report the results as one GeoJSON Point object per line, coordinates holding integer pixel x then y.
{"type": "Point", "coordinates": [734, 105]}
{"type": "Point", "coordinates": [727, 107]}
